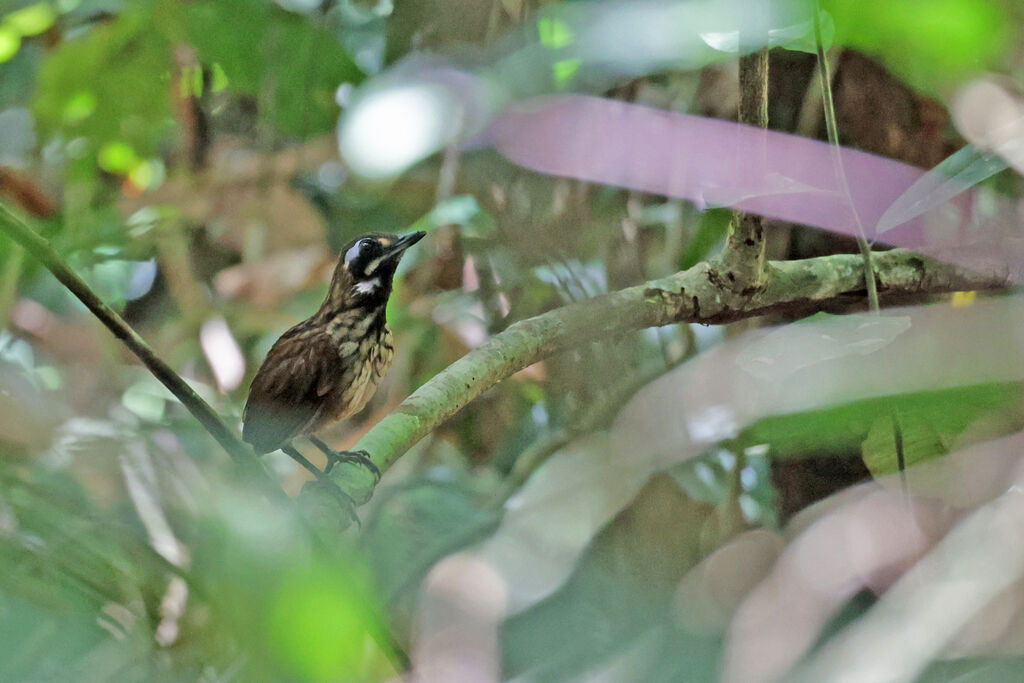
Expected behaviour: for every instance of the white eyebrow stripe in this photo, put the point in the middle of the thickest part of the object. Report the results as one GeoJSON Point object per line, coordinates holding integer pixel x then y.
{"type": "Point", "coordinates": [352, 253]}
{"type": "Point", "coordinates": [367, 286]}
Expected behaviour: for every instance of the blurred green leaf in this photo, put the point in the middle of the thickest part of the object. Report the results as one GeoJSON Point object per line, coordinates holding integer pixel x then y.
{"type": "Point", "coordinates": [289, 60]}
{"type": "Point", "coordinates": [10, 41]}
{"type": "Point", "coordinates": [318, 624]}
{"type": "Point", "coordinates": [711, 229]}
{"type": "Point", "coordinates": [932, 43]}
{"type": "Point", "coordinates": [117, 157]}
{"type": "Point", "coordinates": [416, 526]}
{"type": "Point", "coordinates": [955, 174]}
{"type": "Point", "coordinates": [462, 210]}
{"type": "Point", "coordinates": [31, 20]}
{"type": "Point", "coordinates": [109, 86]}
{"type": "Point", "coordinates": [844, 427]}
{"type": "Point", "coordinates": [912, 440]}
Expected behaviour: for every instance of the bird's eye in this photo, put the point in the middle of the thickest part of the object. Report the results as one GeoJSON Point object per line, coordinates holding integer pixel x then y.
{"type": "Point", "coordinates": [356, 249]}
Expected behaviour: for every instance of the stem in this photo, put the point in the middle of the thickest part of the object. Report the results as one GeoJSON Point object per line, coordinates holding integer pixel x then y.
{"type": "Point", "coordinates": [744, 254]}
{"type": "Point", "coordinates": [19, 231]}
{"type": "Point", "coordinates": [833, 137]}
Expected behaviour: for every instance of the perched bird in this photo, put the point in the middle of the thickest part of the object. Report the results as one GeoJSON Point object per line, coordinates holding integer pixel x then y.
{"type": "Point", "coordinates": [328, 366]}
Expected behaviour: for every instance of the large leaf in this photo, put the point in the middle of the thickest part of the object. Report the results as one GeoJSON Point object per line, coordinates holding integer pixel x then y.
{"type": "Point", "coordinates": [109, 85]}
{"type": "Point", "coordinates": [933, 43]}
{"type": "Point", "coordinates": [957, 173]}
{"type": "Point", "coordinates": [292, 64]}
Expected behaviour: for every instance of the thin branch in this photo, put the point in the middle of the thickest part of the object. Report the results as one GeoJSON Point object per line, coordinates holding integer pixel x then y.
{"type": "Point", "coordinates": [744, 253]}
{"type": "Point", "coordinates": [695, 295]}
{"type": "Point", "coordinates": [19, 231]}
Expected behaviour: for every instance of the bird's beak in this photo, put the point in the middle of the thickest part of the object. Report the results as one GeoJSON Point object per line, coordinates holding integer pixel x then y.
{"type": "Point", "coordinates": [395, 251]}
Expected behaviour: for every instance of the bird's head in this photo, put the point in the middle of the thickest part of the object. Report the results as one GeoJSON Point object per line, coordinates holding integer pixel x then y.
{"type": "Point", "coordinates": [366, 269]}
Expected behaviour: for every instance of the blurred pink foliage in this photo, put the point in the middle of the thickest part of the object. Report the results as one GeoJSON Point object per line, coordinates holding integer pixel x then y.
{"type": "Point", "coordinates": [719, 163]}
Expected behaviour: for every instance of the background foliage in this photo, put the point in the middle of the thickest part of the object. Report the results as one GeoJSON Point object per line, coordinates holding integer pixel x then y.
{"type": "Point", "coordinates": [182, 157]}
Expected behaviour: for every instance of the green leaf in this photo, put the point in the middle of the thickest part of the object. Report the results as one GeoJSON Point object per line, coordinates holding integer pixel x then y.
{"type": "Point", "coordinates": [318, 624]}
{"type": "Point", "coordinates": [932, 43]}
{"type": "Point", "coordinates": [117, 157]}
{"type": "Point", "coordinates": [910, 439]}
{"type": "Point", "coordinates": [711, 229]}
{"type": "Point", "coordinates": [10, 41]}
{"type": "Point", "coordinates": [955, 174]}
{"type": "Point", "coordinates": [462, 210]}
{"type": "Point", "coordinates": [846, 427]}
{"type": "Point", "coordinates": [31, 20]}
{"type": "Point", "coordinates": [554, 33]}
{"type": "Point", "coordinates": [418, 525]}
{"type": "Point", "coordinates": [287, 59]}
{"type": "Point", "coordinates": [109, 86]}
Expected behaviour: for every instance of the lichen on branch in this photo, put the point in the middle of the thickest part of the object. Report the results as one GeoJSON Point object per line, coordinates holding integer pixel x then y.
{"type": "Point", "coordinates": [699, 294]}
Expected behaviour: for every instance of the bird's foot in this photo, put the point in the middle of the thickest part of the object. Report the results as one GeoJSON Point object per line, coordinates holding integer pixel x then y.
{"type": "Point", "coordinates": [358, 457]}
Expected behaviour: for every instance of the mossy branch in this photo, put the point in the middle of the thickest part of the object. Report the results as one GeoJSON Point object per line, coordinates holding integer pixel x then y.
{"type": "Point", "coordinates": [699, 294]}
{"type": "Point", "coordinates": [20, 232]}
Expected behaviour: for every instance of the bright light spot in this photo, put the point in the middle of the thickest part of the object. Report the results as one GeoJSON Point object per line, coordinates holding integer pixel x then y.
{"type": "Point", "coordinates": [219, 79]}
{"type": "Point", "coordinates": [318, 626]}
{"type": "Point", "coordinates": [564, 70]}
{"type": "Point", "coordinates": [117, 157]}
{"type": "Point", "coordinates": [748, 478]}
{"type": "Point", "coordinates": [331, 175]}
{"type": "Point", "coordinates": [963, 299]}
{"type": "Point", "coordinates": [147, 175]}
{"type": "Point", "coordinates": [712, 424]}
{"type": "Point", "coordinates": [222, 353]}
{"type": "Point", "coordinates": [343, 95]}
{"type": "Point", "coordinates": [390, 130]}
{"type": "Point", "coordinates": [140, 279]}
{"type": "Point", "coordinates": [79, 106]}
{"type": "Point", "coordinates": [10, 41]}
{"type": "Point", "coordinates": [554, 33]}
{"type": "Point", "coordinates": [31, 20]}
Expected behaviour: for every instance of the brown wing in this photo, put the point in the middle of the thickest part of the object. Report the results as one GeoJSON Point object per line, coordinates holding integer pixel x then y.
{"type": "Point", "coordinates": [288, 389]}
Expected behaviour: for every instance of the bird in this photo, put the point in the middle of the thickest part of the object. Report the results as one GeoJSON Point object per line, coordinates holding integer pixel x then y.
{"type": "Point", "coordinates": [328, 366]}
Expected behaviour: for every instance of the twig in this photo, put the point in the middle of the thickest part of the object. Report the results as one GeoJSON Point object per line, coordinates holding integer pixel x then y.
{"type": "Point", "coordinates": [19, 231]}
{"type": "Point", "coordinates": [744, 255]}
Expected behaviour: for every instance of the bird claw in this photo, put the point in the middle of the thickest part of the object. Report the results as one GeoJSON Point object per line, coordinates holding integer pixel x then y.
{"type": "Point", "coordinates": [358, 457]}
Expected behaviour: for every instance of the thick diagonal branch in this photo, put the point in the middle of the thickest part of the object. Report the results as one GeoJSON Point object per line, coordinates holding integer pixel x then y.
{"type": "Point", "coordinates": [696, 295]}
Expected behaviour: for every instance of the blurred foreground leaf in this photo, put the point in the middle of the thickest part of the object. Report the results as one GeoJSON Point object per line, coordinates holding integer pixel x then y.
{"type": "Point", "coordinates": [934, 419]}
{"type": "Point", "coordinates": [932, 43]}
